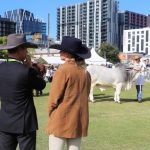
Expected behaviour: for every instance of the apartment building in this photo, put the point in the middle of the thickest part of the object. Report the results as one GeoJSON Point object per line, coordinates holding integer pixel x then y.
{"type": "Point", "coordinates": [25, 21]}
{"type": "Point", "coordinates": [131, 20]}
{"type": "Point", "coordinates": [137, 41]}
{"type": "Point", "coordinates": [6, 26]}
{"type": "Point", "coordinates": [94, 22]}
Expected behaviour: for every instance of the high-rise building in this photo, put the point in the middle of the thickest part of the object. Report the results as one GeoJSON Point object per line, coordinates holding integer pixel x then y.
{"type": "Point", "coordinates": [131, 20]}
{"type": "Point", "coordinates": [25, 21]}
{"type": "Point", "coordinates": [137, 41]}
{"type": "Point", "coordinates": [6, 26]}
{"type": "Point", "coordinates": [94, 22]}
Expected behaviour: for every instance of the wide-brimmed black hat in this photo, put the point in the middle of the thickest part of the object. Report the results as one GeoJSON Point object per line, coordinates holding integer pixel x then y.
{"type": "Point", "coordinates": [73, 46]}
{"type": "Point", "coordinates": [16, 40]}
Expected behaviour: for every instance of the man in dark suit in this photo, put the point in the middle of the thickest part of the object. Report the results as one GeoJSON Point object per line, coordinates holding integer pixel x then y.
{"type": "Point", "coordinates": [18, 119]}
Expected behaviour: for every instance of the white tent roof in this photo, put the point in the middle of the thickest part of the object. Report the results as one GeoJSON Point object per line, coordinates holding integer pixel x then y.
{"type": "Point", "coordinates": [95, 58]}
{"type": "Point", "coordinates": [53, 59]}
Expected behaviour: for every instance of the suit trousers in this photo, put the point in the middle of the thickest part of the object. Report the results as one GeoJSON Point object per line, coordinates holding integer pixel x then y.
{"type": "Point", "coordinates": [56, 143]}
{"type": "Point", "coordinates": [9, 141]}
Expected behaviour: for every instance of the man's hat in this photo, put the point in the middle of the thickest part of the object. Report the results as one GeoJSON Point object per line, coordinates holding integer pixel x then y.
{"type": "Point", "coordinates": [16, 40]}
{"type": "Point", "coordinates": [74, 46]}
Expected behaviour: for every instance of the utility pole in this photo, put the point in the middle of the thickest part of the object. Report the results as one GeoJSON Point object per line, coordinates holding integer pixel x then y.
{"type": "Point", "coordinates": [48, 38]}
{"type": "Point", "coordinates": [48, 25]}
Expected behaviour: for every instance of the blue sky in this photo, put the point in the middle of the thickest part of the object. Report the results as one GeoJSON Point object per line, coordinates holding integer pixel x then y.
{"type": "Point", "coordinates": [41, 8]}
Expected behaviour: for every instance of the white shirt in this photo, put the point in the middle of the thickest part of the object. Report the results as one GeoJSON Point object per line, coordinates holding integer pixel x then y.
{"type": "Point", "coordinates": [141, 67]}
{"type": "Point", "coordinates": [47, 73]}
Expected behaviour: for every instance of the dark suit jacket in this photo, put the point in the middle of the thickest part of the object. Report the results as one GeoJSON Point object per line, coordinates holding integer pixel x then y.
{"type": "Point", "coordinates": [17, 110]}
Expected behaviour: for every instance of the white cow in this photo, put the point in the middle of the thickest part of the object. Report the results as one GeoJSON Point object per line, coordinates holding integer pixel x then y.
{"type": "Point", "coordinates": [116, 77]}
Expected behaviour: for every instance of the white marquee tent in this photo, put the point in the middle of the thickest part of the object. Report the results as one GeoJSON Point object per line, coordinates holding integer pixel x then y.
{"type": "Point", "coordinates": [95, 59]}
{"type": "Point", "coordinates": [53, 59]}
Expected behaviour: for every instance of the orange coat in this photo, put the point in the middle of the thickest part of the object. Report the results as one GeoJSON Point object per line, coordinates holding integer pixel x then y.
{"type": "Point", "coordinates": [68, 102]}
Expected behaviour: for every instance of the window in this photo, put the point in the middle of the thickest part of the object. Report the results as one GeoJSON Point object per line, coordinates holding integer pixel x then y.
{"type": "Point", "coordinates": [137, 38]}
{"type": "Point", "coordinates": [147, 34]}
{"type": "Point", "coordinates": [133, 41]}
{"type": "Point", "coordinates": [142, 44]}
{"type": "Point", "coordinates": [129, 35]}
{"type": "Point", "coordinates": [129, 48]}
{"type": "Point", "coordinates": [146, 50]}
{"type": "Point", "coordinates": [137, 47]}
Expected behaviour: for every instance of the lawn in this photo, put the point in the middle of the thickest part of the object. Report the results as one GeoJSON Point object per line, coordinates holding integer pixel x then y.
{"type": "Point", "coordinates": [113, 126]}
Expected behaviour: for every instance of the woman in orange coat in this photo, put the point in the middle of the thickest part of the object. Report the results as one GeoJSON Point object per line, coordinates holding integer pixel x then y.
{"type": "Point", "coordinates": [68, 99]}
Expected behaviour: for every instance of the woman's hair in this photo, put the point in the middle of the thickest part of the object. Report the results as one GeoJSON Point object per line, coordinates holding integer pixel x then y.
{"type": "Point", "coordinates": [80, 61]}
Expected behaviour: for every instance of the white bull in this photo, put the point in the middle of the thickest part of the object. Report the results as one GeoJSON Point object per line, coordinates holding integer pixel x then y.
{"type": "Point", "coordinates": [116, 77]}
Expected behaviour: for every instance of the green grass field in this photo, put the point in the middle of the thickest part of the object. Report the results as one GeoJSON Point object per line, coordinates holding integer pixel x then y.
{"type": "Point", "coordinates": [112, 126]}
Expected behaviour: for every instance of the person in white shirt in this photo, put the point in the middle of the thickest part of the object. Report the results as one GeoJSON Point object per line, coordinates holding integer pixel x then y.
{"type": "Point", "coordinates": [141, 67]}
{"type": "Point", "coordinates": [47, 75]}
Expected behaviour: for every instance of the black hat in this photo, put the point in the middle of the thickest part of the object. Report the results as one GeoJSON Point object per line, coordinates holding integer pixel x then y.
{"type": "Point", "coordinates": [74, 46]}
{"type": "Point", "coordinates": [16, 40]}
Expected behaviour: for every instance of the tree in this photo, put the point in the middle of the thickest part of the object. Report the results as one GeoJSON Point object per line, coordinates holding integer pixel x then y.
{"type": "Point", "coordinates": [41, 60]}
{"type": "Point", "coordinates": [31, 51]}
{"type": "Point", "coordinates": [3, 40]}
{"type": "Point", "coordinates": [109, 52]}
{"type": "Point", "coordinates": [3, 54]}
